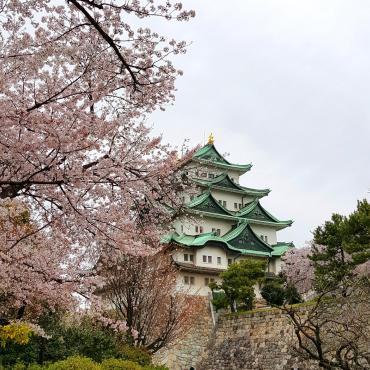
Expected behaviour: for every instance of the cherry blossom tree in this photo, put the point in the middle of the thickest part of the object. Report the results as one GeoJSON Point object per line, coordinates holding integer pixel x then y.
{"type": "Point", "coordinates": [76, 82]}
{"type": "Point", "coordinates": [298, 269]}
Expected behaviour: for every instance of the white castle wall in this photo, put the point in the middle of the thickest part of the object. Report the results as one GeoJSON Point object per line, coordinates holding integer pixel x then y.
{"type": "Point", "coordinates": [265, 230]}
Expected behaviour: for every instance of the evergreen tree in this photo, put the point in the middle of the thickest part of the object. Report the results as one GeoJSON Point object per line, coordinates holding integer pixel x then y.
{"type": "Point", "coordinates": [342, 244]}
{"type": "Point", "coordinates": [238, 283]}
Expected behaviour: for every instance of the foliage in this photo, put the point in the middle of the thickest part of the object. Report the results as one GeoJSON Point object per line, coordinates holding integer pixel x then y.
{"type": "Point", "coordinates": [116, 364]}
{"type": "Point", "coordinates": [86, 363]}
{"type": "Point", "coordinates": [75, 363]}
{"type": "Point", "coordinates": [276, 292]}
{"type": "Point", "coordinates": [135, 354]}
{"type": "Point", "coordinates": [238, 283]}
{"type": "Point", "coordinates": [292, 295]}
{"type": "Point", "coordinates": [79, 170]}
{"type": "Point", "coordinates": [18, 333]}
{"type": "Point", "coordinates": [64, 339]}
{"type": "Point", "coordinates": [273, 292]}
{"type": "Point", "coordinates": [219, 298]}
{"type": "Point", "coordinates": [345, 244]}
{"type": "Point", "coordinates": [143, 292]}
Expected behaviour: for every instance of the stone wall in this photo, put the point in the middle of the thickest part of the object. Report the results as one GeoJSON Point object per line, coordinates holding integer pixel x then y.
{"type": "Point", "coordinates": [186, 352]}
{"type": "Point", "coordinates": [258, 340]}
{"type": "Point", "coordinates": [261, 340]}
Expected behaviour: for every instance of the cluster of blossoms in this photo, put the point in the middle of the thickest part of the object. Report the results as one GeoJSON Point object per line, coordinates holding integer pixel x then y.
{"type": "Point", "coordinates": [76, 81]}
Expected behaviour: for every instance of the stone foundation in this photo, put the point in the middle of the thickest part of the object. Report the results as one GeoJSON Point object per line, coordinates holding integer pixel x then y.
{"type": "Point", "coordinates": [261, 340]}
{"type": "Point", "coordinates": [188, 351]}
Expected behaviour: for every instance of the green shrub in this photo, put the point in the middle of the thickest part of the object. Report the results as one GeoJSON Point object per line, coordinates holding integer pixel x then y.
{"type": "Point", "coordinates": [19, 366]}
{"type": "Point", "coordinates": [219, 300]}
{"type": "Point", "coordinates": [75, 363]}
{"type": "Point", "coordinates": [292, 295]}
{"type": "Point", "coordinates": [273, 293]}
{"type": "Point", "coordinates": [135, 354]}
{"type": "Point", "coordinates": [83, 338]}
{"type": "Point", "coordinates": [154, 367]}
{"type": "Point", "coordinates": [116, 364]}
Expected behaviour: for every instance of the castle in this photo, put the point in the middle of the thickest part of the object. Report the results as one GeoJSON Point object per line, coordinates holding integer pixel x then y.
{"type": "Point", "coordinates": [225, 223]}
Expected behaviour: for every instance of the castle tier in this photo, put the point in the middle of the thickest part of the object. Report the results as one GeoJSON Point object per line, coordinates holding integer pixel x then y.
{"type": "Point", "coordinates": [225, 223]}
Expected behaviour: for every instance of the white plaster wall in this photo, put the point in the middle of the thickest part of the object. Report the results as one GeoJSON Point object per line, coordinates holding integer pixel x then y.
{"type": "Point", "coordinates": [229, 197]}
{"type": "Point", "coordinates": [275, 265]}
{"type": "Point", "coordinates": [206, 222]}
{"type": "Point", "coordinates": [233, 174]}
{"type": "Point", "coordinates": [199, 287]}
{"type": "Point", "coordinates": [193, 167]}
{"type": "Point", "coordinates": [178, 255]}
{"type": "Point", "coordinates": [214, 252]}
{"type": "Point", "coordinates": [265, 230]}
{"type": "Point", "coordinates": [248, 199]}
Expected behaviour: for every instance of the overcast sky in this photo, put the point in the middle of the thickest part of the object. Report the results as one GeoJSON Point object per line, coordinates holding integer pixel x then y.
{"type": "Point", "coordinates": [284, 85]}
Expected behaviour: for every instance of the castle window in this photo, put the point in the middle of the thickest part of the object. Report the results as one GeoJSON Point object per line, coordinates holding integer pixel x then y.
{"type": "Point", "coordinates": [204, 258]}
{"type": "Point", "coordinates": [186, 257]}
{"type": "Point", "coordinates": [200, 229]}
{"type": "Point", "coordinates": [211, 175]}
{"type": "Point", "coordinates": [236, 205]}
{"type": "Point", "coordinates": [191, 257]}
{"type": "Point", "coordinates": [266, 238]}
{"type": "Point", "coordinates": [197, 229]}
{"type": "Point", "coordinates": [189, 280]}
{"type": "Point", "coordinates": [206, 281]}
{"type": "Point", "coordinates": [219, 260]}
{"type": "Point", "coordinates": [240, 206]}
{"type": "Point", "coordinates": [216, 231]}
{"type": "Point", "coordinates": [182, 228]}
{"type": "Point", "coordinates": [209, 259]}
{"type": "Point", "coordinates": [229, 261]}
{"type": "Point", "coordinates": [224, 203]}
{"type": "Point", "coordinates": [220, 201]}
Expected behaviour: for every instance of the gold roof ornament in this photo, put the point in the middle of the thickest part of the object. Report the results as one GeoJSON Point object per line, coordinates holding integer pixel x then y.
{"type": "Point", "coordinates": [211, 139]}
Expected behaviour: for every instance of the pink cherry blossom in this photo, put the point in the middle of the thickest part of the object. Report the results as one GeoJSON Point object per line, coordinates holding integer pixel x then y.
{"type": "Point", "coordinates": [76, 83]}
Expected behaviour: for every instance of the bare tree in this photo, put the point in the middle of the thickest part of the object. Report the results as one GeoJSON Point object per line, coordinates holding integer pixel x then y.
{"type": "Point", "coordinates": [333, 329]}
{"type": "Point", "coordinates": [142, 291]}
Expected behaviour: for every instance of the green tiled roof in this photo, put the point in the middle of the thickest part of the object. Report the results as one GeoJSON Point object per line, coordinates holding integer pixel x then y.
{"type": "Point", "coordinates": [207, 203]}
{"type": "Point", "coordinates": [244, 235]}
{"type": "Point", "coordinates": [198, 241]}
{"type": "Point", "coordinates": [252, 246]}
{"type": "Point", "coordinates": [224, 181]}
{"type": "Point", "coordinates": [280, 248]}
{"type": "Point", "coordinates": [254, 211]}
{"type": "Point", "coordinates": [209, 154]}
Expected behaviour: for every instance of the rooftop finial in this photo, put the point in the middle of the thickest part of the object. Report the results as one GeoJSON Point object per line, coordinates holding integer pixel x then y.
{"type": "Point", "coordinates": [211, 138]}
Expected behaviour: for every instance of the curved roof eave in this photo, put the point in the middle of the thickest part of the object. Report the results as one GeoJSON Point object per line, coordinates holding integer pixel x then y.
{"type": "Point", "coordinates": [252, 205]}
{"type": "Point", "coordinates": [236, 167]}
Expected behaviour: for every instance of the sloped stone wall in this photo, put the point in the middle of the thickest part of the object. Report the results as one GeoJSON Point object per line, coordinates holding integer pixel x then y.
{"type": "Point", "coordinates": [187, 352]}
{"type": "Point", "coordinates": [261, 340]}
